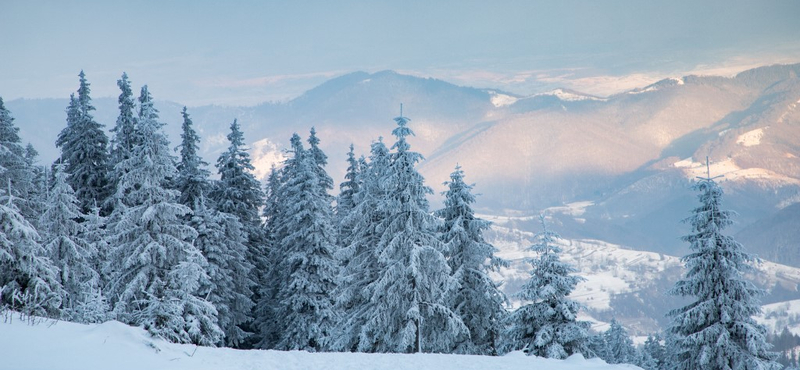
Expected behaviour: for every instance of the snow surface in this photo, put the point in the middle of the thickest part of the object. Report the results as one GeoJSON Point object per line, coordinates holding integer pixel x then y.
{"type": "Point", "coordinates": [113, 345]}
{"type": "Point", "coordinates": [731, 172]}
{"type": "Point", "coordinates": [611, 269]}
{"type": "Point", "coordinates": [564, 95]}
{"type": "Point", "coordinates": [502, 100]}
{"type": "Point", "coordinates": [751, 138]}
{"type": "Point", "coordinates": [781, 315]}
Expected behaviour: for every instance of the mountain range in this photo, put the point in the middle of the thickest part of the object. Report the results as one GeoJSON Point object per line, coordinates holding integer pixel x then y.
{"type": "Point", "coordinates": [630, 158]}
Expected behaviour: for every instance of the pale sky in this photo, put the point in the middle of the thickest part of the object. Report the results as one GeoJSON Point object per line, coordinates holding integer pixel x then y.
{"type": "Point", "coordinates": [247, 52]}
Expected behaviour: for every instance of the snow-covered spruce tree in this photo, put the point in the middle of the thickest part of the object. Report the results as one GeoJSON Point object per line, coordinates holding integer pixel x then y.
{"type": "Point", "coordinates": [619, 345]}
{"type": "Point", "coordinates": [345, 202]}
{"type": "Point", "coordinates": [74, 256]}
{"type": "Point", "coordinates": [479, 301]}
{"type": "Point", "coordinates": [547, 325]}
{"type": "Point", "coordinates": [158, 278]}
{"type": "Point", "coordinates": [193, 179]}
{"type": "Point", "coordinates": [307, 266]}
{"type": "Point", "coordinates": [83, 146]}
{"type": "Point", "coordinates": [16, 167]}
{"type": "Point", "coordinates": [124, 138]}
{"type": "Point", "coordinates": [652, 354]}
{"type": "Point", "coordinates": [358, 255]}
{"type": "Point", "coordinates": [717, 330]}
{"type": "Point", "coordinates": [409, 310]}
{"type": "Point", "coordinates": [239, 193]}
{"type": "Point", "coordinates": [221, 240]}
{"type": "Point", "coordinates": [219, 237]}
{"type": "Point", "coordinates": [28, 279]}
{"type": "Point", "coordinates": [265, 320]}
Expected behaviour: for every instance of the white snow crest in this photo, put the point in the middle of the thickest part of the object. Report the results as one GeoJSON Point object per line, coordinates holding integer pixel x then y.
{"type": "Point", "coordinates": [751, 138]}
{"type": "Point", "coordinates": [501, 100]}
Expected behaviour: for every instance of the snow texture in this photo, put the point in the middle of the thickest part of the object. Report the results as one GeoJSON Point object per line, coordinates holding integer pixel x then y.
{"type": "Point", "coordinates": [113, 345]}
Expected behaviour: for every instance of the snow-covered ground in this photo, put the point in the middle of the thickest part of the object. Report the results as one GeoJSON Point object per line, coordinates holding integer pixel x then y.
{"type": "Point", "coordinates": [611, 270]}
{"type": "Point", "coordinates": [113, 345]}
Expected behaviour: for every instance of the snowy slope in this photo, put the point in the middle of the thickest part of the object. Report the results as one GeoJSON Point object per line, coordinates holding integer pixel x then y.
{"type": "Point", "coordinates": [113, 345]}
{"type": "Point", "coordinates": [629, 285]}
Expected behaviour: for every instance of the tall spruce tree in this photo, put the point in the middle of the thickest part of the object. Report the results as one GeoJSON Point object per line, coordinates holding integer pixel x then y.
{"type": "Point", "coordinates": [16, 169]}
{"type": "Point", "coordinates": [221, 240]}
{"type": "Point", "coordinates": [83, 146]}
{"type": "Point", "coordinates": [219, 237]}
{"type": "Point", "coordinates": [717, 330]}
{"type": "Point", "coordinates": [239, 193]}
{"type": "Point", "coordinates": [547, 325]}
{"type": "Point", "coordinates": [158, 277]}
{"type": "Point", "coordinates": [265, 313]}
{"type": "Point", "coordinates": [74, 256]}
{"type": "Point", "coordinates": [28, 278]}
{"type": "Point", "coordinates": [409, 310]}
{"type": "Point", "coordinates": [193, 179]}
{"type": "Point", "coordinates": [345, 202]}
{"type": "Point", "coordinates": [357, 254]}
{"type": "Point", "coordinates": [307, 265]}
{"type": "Point", "coordinates": [479, 301]}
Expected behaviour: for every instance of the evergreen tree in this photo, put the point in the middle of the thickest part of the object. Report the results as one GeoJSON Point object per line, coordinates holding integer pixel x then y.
{"type": "Point", "coordinates": [307, 267]}
{"type": "Point", "coordinates": [408, 310]}
{"type": "Point", "coordinates": [28, 279]}
{"type": "Point", "coordinates": [358, 254]}
{"type": "Point", "coordinates": [653, 355]}
{"type": "Point", "coordinates": [16, 173]}
{"type": "Point", "coordinates": [345, 202]}
{"type": "Point", "coordinates": [74, 256]}
{"type": "Point", "coordinates": [547, 326]}
{"type": "Point", "coordinates": [83, 146]}
{"type": "Point", "coordinates": [717, 330]}
{"type": "Point", "coordinates": [619, 346]}
{"type": "Point", "coordinates": [221, 240]}
{"type": "Point", "coordinates": [239, 193]}
{"type": "Point", "coordinates": [158, 277]}
{"type": "Point", "coordinates": [192, 182]}
{"type": "Point", "coordinates": [265, 313]}
{"type": "Point", "coordinates": [124, 136]}
{"type": "Point", "coordinates": [479, 301]}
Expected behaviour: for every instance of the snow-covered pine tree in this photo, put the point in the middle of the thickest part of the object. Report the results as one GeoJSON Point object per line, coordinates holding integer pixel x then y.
{"type": "Point", "coordinates": [220, 239]}
{"type": "Point", "coordinates": [619, 345]}
{"type": "Point", "coordinates": [124, 138]}
{"type": "Point", "coordinates": [239, 193]}
{"type": "Point", "coordinates": [192, 181]}
{"type": "Point", "coordinates": [16, 167]}
{"type": "Point", "coordinates": [547, 325]}
{"type": "Point", "coordinates": [264, 314]}
{"type": "Point", "coordinates": [408, 310]}
{"type": "Point", "coordinates": [717, 330]}
{"type": "Point", "coordinates": [74, 256]}
{"type": "Point", "coordinates": [357, 254]}
{"type": "Point", "coordinates": [83, 146]}
{"type": "Point", "coordinates": [28, 279]}
{"type": "Point", "coordinates": [307, 266]}
{"type": "Point", "coordinates": [158, 278]}
{"type": "Point", "coordinates": [653, 355]}
{"type": "Point", "coordinates": [479, 301]}
{"type": "Point", "coordinates": [345, 202]}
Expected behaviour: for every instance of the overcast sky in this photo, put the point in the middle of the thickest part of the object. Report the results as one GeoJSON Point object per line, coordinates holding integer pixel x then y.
{"type": "Point", "coordinates": [247, 52]}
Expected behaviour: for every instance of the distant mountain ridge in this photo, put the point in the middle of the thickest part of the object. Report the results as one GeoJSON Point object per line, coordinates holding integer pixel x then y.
{"type": "Point", "coordinates": [631, 155]}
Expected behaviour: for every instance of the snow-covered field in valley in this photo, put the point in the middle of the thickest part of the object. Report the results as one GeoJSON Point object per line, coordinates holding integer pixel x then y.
{"type": "Point", "coordinates": [63, 345]}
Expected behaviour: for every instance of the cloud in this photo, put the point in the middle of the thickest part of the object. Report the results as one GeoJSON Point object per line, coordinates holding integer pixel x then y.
{"type": "Point", "coordinates": [265, 81]}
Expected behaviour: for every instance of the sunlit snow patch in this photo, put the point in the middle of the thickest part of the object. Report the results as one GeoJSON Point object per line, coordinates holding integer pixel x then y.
{"type": "Point", "coordinates": [751, 138]}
